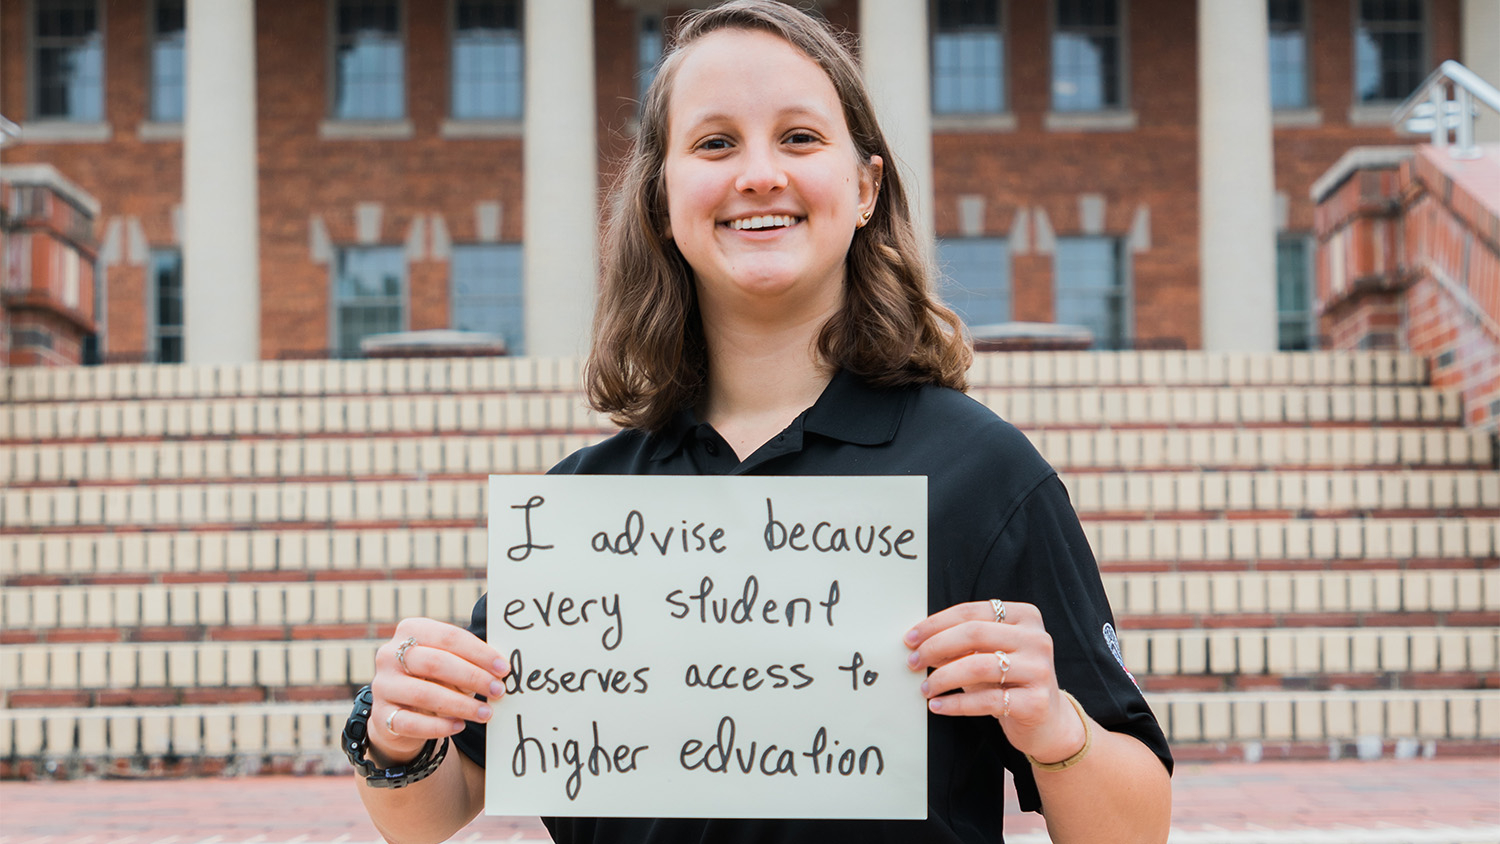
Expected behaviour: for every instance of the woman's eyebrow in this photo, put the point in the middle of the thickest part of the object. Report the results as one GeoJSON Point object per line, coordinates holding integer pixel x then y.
{"type": "Point", "coordinates": [716, 116]}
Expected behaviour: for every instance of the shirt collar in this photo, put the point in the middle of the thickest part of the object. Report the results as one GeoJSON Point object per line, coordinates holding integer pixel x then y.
{"type": "Point", "coordinates": [849, 410]}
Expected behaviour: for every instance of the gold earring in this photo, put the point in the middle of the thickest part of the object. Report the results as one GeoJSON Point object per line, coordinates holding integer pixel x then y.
{"type": "Point", "coordinates": [864, 218]}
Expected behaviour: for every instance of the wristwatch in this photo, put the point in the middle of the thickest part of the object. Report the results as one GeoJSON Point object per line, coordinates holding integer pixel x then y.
{"type": "Point", "coordinates": [356, 740]}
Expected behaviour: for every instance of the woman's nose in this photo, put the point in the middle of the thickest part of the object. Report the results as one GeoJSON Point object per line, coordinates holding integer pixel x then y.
{"type": "Point", "coordinates": [761, 171]}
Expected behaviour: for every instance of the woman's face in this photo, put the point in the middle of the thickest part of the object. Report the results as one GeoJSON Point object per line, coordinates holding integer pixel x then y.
{"type": "Point", "coordinates": [764, 187]}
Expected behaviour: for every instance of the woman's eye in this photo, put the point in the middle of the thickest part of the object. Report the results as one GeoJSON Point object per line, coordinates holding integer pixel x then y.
{"type": "Point", "coordinates": [714, 144]}
{"type": "Point", "coordinates": [802, 138]}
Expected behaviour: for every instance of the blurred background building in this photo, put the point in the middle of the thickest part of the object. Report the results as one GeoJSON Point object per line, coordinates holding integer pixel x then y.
{"type": "Point", "coordinates": [354, 167]}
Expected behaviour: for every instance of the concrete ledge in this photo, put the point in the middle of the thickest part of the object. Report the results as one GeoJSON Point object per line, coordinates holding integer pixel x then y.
{"type": "Point", "coordinates": [1359, 158]}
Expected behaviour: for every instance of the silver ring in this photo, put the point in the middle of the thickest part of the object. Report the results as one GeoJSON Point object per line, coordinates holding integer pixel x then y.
{"type": "Point", "coordinates": [1004, 660]}
{"type": "Point", "coordinates": [389, 727]}
{"type": "Point", "coordinates": [401, 652]}
{"type": "Point", "coordinates": [999, 607]}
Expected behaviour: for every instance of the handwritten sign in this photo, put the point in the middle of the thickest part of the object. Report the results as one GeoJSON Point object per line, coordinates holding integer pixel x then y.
{"type": "Point", "coordinates": [707, 646]}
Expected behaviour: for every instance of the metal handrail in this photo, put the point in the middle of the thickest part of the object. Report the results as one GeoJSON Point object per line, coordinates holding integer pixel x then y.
{"type": "Point", "coordinates": [1429, 104]}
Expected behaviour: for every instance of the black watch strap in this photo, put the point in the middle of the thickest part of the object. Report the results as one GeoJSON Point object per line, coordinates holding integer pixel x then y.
{"type": "Point", "coordinates": [356, 740]}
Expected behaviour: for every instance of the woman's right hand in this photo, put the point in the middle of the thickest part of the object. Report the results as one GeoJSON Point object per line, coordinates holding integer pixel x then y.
{"type": "Point", "coordinates": [427, 691]}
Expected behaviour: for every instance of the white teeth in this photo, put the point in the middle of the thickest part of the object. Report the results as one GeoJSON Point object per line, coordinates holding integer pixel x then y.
{"type": "Point", "coordinates": [765, 221]}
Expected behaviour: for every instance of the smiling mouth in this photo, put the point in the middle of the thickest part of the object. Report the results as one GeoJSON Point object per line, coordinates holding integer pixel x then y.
{"type": "Point", "coordinates": [763, 222]}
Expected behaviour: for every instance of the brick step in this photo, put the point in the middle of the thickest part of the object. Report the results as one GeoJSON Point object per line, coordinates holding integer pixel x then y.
{"type": "Point", "coordinates": [1204, 495]}
{"type": "Point", "coordinates": [459, 375]}
{"type": "Point", "coordinates": [494, 413]}
{"type": "Point", "coordinates": [1189, 718]}
{"type": "Point", "coordinates": [384, 550]}
{"type": "Point", "coordinates": [1237, 656]}
{"type": "Point", "coordinates": [475, 454]}
{"type": "Point", "coordinates": [1349, 680]}
{"type": "Point", "coordinates": [136, 611]}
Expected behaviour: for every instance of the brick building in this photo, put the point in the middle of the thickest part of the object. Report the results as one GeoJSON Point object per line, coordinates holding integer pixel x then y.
{"type": "Point", "coordinates": [332, 169]}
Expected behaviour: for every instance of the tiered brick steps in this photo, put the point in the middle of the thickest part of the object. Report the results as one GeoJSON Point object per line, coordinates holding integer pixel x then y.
{"type": "Point", "coordinates": [1303, 550]}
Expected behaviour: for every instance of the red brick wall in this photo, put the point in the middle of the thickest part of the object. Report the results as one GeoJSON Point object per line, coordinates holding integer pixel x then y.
{"type": "Point", "coordinates": [302, 175]}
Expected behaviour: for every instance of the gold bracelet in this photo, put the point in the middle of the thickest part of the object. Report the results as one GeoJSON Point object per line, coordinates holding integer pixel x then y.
{"type": "Point", "coordinates": [1088, 743]}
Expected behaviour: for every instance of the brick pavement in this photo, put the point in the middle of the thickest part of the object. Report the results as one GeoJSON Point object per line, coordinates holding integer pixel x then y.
{"type": "Point", "coordinates": [1385, 802]}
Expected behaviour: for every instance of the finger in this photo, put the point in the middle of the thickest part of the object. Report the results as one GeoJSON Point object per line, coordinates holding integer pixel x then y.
{"type": "Point", "coordinates": [983, 670]}
{"type": "Point", "coordinates": [445, 667]}
{"type": "Point", "coordinates": [456, 640]}
{"type": "Point", "coordinates": [1024, 704]}
{"type": "Point", "coordinates": [409, 724]}
{"type": "Point", "coordinates": [1016, 613]}
{"type": "Point", "coordinates": [427, 697]}
{"type": "Point", "coordinates": [977, 637]}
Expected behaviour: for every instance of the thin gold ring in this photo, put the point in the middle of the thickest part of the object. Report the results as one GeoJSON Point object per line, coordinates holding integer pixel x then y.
{"type": "Point", "coordinates": [1005, 703]}
{"type": "Point", "coordinates": [999, 607]}
{"type": "Point", "coordinates": [390, 727]}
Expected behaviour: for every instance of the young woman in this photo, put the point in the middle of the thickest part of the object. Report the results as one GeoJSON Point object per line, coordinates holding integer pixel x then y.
{"type": "Point", "coordinates": [766, 309]}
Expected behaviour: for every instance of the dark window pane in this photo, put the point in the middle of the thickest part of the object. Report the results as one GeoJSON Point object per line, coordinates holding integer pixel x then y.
{"type": "Point", "coordinates": [1089, 289]}
{"type": "Point", "coordinates": [167, 51]}
{"type": "Point", "coordinates": [169, 349]}
{"type": "Point", "coordinates": [1294, 305]}
{"type": "Point", "coordinates": [68, 75]}
{"type": "Point", "coordinates": [1389, 51]}
{"type": "Point", "coordinates": [487, 292]}
{"type": "Point", "coordinates": [369, 294]}
{"type": "Point", "coordinates": [976, 278]}
{"type": "Point", "coordinates": [487, 60]}
{"type": "Point", "coordinates": [369, 66]}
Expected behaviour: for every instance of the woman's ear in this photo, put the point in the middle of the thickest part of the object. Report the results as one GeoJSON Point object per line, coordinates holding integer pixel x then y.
{"type": "Point", "coordinates": [869, 185]}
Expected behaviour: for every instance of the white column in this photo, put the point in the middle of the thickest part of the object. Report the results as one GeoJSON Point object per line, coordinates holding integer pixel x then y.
{"type": "Point", "coordinates": [220, 205]}
{"type": "Point", "coordinates": [893, 53]}
{"type": "Point", "coordinates": [1236, 185]}
{"type": "Point", "coordinates": [1481, 54]}
{"type": "Point", "coordinates": [561, 179]}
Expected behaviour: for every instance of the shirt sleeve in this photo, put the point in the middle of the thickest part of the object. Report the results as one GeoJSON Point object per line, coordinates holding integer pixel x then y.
{"type": "Point", "coordinates": [1042, 557]}
{"type": "Point", "coordinates": [470, 742]}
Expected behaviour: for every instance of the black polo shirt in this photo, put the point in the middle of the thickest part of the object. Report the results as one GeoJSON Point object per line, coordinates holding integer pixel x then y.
{"type": "Point", "coordinates": [1000, 526]}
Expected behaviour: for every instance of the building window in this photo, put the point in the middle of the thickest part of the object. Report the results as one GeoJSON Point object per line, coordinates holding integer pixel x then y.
{"type": "Point", "coordinates": [487, 294]}
{"type": "Point", "coordinates": [369, 292]}
{"type": "Point", "coordinates": [369, 68]}
{"type": "Point", "coordinates": [488, 64]}
{"type": "Point", "coordinates": [1288, 53]}
{"type": "Point", "coordinates": [68, 74]}
{"type": "Point", "coordinates": [1090, 289]}
{"type": "Point", "coordinates": [968, 57]}
{"type": "Point", "coordinates": [164, 334]}
{"type": "Point", "coordinates": [1294, 307]}
{"type": "Point", "coordinates": [1389, 49]}
{"type": "Point", "coordinates": [1087, 63]}
{"type": "Point", "coordinates": [976, 278]}
{"type": "Point", "coordinates": [650, 45]}
{"type": "Point", "coordinates": [168, 43]}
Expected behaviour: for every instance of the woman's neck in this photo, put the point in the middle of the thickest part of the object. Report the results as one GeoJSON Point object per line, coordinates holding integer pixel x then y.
{"type": "Point", "coordinates": [761, 377]}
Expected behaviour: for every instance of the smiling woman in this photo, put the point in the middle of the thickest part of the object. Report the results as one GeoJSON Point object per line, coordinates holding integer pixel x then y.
{"type": "Point", "coordinates": [765, 308]}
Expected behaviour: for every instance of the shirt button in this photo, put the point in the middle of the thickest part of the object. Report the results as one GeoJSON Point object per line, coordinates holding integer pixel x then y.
{"type": "Point", "coordinates": [711, 447]}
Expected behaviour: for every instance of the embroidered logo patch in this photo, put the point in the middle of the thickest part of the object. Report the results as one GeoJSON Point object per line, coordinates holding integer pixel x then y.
{"type": "Point", "coordinates": [1113, 642]}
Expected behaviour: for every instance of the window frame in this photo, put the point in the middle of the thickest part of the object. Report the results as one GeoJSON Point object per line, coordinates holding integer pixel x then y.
{"type": "Point", "coordinates": [453, 297]}
{"type": "Point", "coordinates": [152, 34]}
{"type": "Point", "coordinates": [1002, 26]}
{"type": "Point", "coordinates": [335, 126]}
{"type": "Point", "coordinates": [1379, 111]}
{"type": "Point", "coordinates": [1308, 87]}
{"type": "Point", "coordinates": [641, 82]}
{"type": "Point", "coordinates": [1122, 33]}
{"type": "Point", "coordinates": [1008, 276]}
{"type": "Point", "coordinates": [153, 306]}
{"type": "Point", "coordinates": [1308, 242]}
{"type": "Point", "coordinates": [403, 298]}
{"type": "Point", "coordinates": [1124, 272]}
{"type": "Point", "coordinates": [65, 127]}
{"type": "Point", "coordinates": [454, 123]}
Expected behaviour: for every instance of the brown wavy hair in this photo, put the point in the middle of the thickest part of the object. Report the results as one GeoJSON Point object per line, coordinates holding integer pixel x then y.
{"type": "Point", "coordinates": [649, 357]}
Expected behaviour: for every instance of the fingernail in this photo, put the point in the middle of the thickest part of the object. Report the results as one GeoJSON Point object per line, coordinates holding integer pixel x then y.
{"type": "Point", "coordinates": [925, 689]}
{"type": "Point", "coordinates": [496, 688]}
{"type": "Point", "coordinates": [935, 705]}
{"type": "Point", "coordinates": [457, 726]}
{"type": "Point", "coordinates": [502, 668]}
{"type": "Point", "coordinates": [914, 658]}
{"type": "Point", "coordinates": [484, 713]}
{"type": "Point", "coordinates": [911, 637]}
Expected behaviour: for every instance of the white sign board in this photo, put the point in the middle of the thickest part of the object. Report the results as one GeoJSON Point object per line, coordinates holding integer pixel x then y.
{"type": "Point", "coordinates": [707, 646]}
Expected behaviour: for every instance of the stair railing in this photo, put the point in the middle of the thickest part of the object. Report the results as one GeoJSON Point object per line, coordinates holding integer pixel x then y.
{"type": "Point", "coordinates": [1428, 110]}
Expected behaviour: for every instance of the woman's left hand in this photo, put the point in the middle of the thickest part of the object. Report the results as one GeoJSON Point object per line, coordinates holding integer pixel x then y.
{"type": "Point", "coordinates": [1000, 668]}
